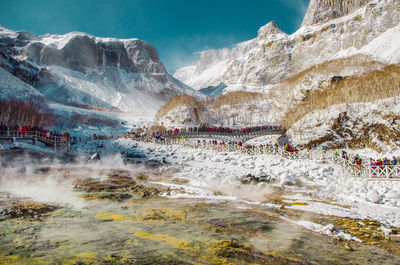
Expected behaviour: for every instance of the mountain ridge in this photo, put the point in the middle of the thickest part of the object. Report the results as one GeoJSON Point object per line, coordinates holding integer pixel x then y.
{"type": "Point", "coordinates": [270, 58]}
{"type": "Point", "coordinates": [80, 68]}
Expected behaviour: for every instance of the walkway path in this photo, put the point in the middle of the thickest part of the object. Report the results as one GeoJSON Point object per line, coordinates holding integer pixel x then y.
{"type": "Point", "coordinates": [36, 136]}
{"type": "Point", "coordinates": [227, 136]}
{"type": "Point", "coordinates": [365, 170]}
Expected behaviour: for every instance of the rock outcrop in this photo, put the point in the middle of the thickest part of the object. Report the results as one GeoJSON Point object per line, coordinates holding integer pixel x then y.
{"type": "Point", "coordinates": [320, 11]}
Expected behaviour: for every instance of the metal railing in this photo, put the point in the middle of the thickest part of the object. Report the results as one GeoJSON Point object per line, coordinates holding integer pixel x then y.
{"type": "Point", "coordinates": [35, 135]}
{"type": "Point", "coordinates": [225, 135]}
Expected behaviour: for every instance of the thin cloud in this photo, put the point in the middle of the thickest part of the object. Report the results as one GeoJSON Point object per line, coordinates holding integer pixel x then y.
{"type": "Point", "coordinates": [299, 7]}
{"type": "Point", "coordinates": [186, 50]}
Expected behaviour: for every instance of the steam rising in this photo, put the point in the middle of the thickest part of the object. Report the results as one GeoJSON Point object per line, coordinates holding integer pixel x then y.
{"type": "Point", "coordinates": [52, 181]}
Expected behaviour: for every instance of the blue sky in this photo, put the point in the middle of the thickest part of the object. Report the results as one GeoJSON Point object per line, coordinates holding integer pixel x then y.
{"type": "Point", "coordinates": [179, 29]}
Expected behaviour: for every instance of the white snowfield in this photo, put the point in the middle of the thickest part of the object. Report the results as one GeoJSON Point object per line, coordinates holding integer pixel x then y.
{"type": "Point", "coordinates": [385, 48]}
{"type": "Point", "coordinates": [333, 193]}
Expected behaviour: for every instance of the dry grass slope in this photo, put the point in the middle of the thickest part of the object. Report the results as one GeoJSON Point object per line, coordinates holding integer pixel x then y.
{"type": "Point", "coordinates": [370, 86]}
{"type": "Point", "coordinates": [174, 103]}
{"type": "Point", "coordinates": [364, 80]}
{"type": "Point", "coordinates": [229, 99]}
{"type": "Point", "coordinates": [334, 66]}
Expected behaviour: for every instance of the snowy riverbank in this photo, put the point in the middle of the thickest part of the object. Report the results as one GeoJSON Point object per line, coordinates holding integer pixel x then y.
{"type": "Point", "coordinates": [309, 186]}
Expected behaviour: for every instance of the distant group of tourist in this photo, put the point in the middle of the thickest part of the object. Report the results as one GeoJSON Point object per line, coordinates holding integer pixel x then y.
{"type": "Point", "coordinates": [374, 163]}
{"type": "Point", "coordinates": [289, 148]}
{"type": "Point", "coordinates": [382, 167]}
{"type": "Point", "coordinates": [355, 161]}
{"type": "Point", "coordinates": [160, 135]}
{"type": "Point", "coordinates": [28, 129]}
{"type": "Point", "coordinates": [219, 129]}
{"type": "Point", "coordinates": [383, 162]}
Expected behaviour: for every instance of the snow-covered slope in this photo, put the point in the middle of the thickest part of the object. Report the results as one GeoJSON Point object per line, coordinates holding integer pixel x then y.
{"type": "Point", "coordinates": [273, 56]}
{"type": "Point", "coordinates": [309, 78]}
{"type": "Point", "coordinates": [83, 69]}
{"type": "Point", "coordinates": [11, 86]}
{"type": "Point", "coordinates": [385, 47]}
{"type": "Point", "coordinates": [358, 125]}
{"type": "Point", "coordinates": [185, 72]}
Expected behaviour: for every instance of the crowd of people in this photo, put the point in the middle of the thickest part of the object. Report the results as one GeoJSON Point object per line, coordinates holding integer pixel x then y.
{"type": "Point", "coordinates": [27, 130]}
{"type": "Point", "coordinates": [383, 162]}
{"type": "Point", "coordinates": [289, 148]}
{"type": "Point", "coordinates": [178, 134]}
{"type": "Point", "coordinates": [159, 136]}
{"type": "Point", "coordinates": [374, 163]}
{"type": "Point", "coordinates": [219, 129]}
{"type": "Point", "coordinates": [381, 167]}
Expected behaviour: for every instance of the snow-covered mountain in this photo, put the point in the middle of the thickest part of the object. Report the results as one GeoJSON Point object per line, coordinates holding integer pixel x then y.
{"type": "Point", "coordinates": [331, 29]}
{"type": "Point", "coordinates": [83, 69]}
{"type": "Point", "coordinates": [335, 81]}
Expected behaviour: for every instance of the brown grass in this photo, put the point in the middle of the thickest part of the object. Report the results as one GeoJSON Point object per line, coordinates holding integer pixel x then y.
{"type": "Point", "coordinates": [233, 98]}
{"type": "Point", "coordinates": [334, 66]}
{"type": "Point", "coordinates": [174, 103]}
{"type": "Point", "coordinates": [229, 99]}
{"type": "Point", "coordinates": [370, 86]}
{"type": "Point", "coordinates": [157, 128]}
{"type": "Point", "coordinates": [103, 109]}
{"type": "Point", "coordinates": [20, 112]}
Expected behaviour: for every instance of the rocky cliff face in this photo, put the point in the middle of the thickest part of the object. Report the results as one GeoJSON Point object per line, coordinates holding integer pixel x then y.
{"type": "Point", "coordinates": [320, 11]}
{"type": "Point", "coordinates": [84, 69]}
{"type": "Point", "coordinates": [331, 29]}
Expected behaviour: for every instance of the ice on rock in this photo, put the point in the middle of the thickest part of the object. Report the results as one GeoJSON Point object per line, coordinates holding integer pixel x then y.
{"type": "Point", "coordinates": [217, 159]}
{"type": "Point", "coordinates": [287, 180]}
{"type": "Point", "coordinates": [328, 229]}
{"type": "Point", "coordinates": [331, 188]}
{"type": "Point", "coordinates": [373, 196]}
{"type": "Point", "coordinates": [393, 195]}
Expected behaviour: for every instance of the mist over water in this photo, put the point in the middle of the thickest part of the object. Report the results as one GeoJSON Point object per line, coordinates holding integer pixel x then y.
{"type": "Point", "coordinates": [51, 180]}
{"type": "Point", "coordinates": [113, 210]}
